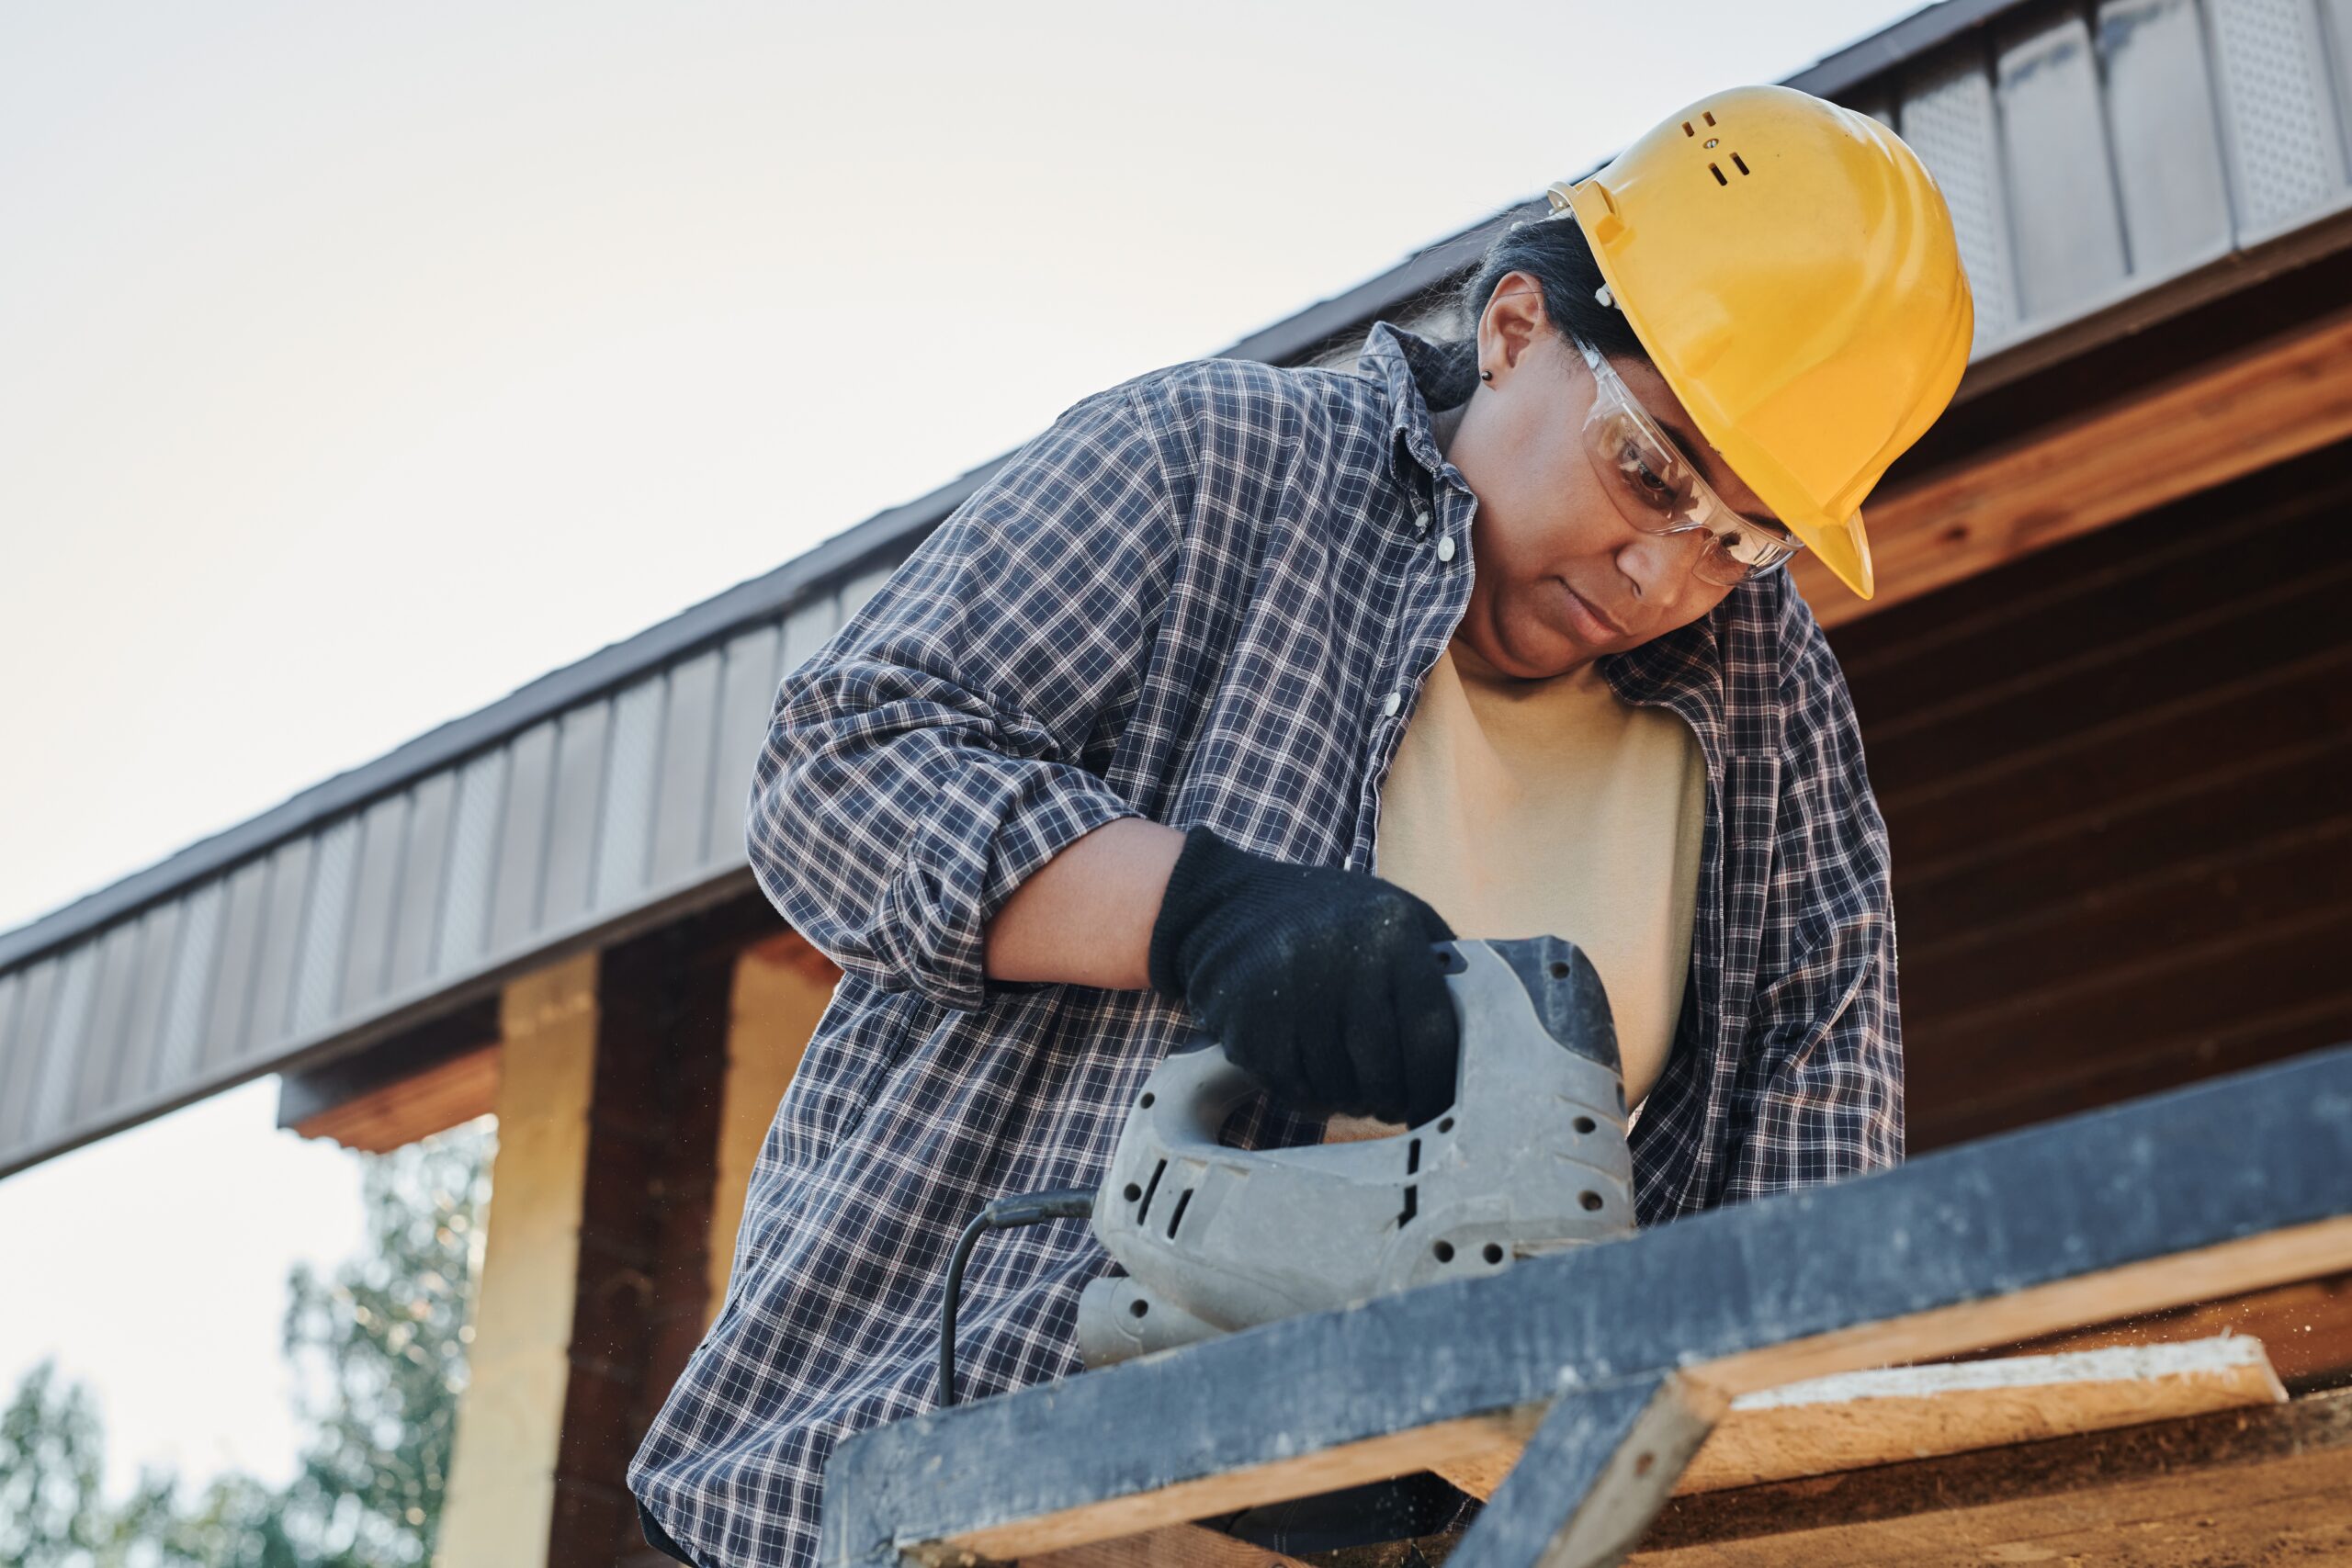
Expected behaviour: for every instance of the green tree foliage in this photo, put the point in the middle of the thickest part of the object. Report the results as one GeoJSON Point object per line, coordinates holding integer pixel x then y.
{"type": "Point", "coordinates": [380, 1355]}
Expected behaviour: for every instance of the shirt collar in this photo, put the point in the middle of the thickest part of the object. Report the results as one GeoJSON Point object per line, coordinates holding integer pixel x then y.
{"type": "Point", "coordinates": [1420, 375]}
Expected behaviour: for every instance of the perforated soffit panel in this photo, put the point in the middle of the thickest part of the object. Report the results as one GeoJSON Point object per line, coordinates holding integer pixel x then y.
{"type": "Point", "coordinates": [2090, 153]}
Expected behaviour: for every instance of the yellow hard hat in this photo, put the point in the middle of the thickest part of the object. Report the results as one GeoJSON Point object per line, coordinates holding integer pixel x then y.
{"type": "Point", "coordinates": [1791, 269]}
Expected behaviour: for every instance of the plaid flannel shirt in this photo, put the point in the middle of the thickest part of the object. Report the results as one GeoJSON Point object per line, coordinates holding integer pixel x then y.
{"type": "Point", "coordinates": [1206, 595]}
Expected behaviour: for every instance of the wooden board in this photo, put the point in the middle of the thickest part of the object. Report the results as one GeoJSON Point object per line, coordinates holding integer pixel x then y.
{"type": "Point", "coordinates": [432, 1101]}
{"type": "Point", "coordinates": [1857, 1419]}
{"type": "Point", "coordinates": [2262, 406]}
{"type": "Point", "coordinates": [2270, 1485]}
{"type": "Point", "coordinates": [1178, 1546]}
{"type": "Point", "coordinates": [2305, 1328]}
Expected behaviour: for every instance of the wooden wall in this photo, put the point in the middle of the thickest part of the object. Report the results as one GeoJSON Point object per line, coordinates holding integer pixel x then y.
{"type": "Point", "coordinates": [2117, 777]}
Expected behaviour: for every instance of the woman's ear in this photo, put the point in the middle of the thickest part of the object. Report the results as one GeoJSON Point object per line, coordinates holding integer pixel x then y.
{"type": "Point", "coordinates": [1515, 320]}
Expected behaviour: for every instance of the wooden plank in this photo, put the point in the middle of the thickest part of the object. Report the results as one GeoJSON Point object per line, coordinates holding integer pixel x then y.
{"type": "Point", "coordinates": [1176, 1546]}
{"type": "Point", "coordinates": [2265, 1485]}
{"type": "Point", "coordinates": [2223, 645]}
{"type": "Point", "coordinates": [2100, 599]}
{"type": "Point", "coordinates": [2270, 402]}
{"type": "Point", "coordinates": [2305, 1328]}
{"type": "Point", "coordinates": [1955, 814]}
{"type": "Point", "coordinates": [1856, 1419]}
{"type": "Point", "coordinates": [2227, 1187]}
{"type": "Point", "coordinates": [432, 1100]}
{"type": "Point", "coordinates": [781, 989]}
{"type": "Point", "coordinates": [1433, 1447]}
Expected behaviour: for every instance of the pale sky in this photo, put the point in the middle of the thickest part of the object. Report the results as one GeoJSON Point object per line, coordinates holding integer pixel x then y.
{"type": "Point", "coordinates": [359, 364]}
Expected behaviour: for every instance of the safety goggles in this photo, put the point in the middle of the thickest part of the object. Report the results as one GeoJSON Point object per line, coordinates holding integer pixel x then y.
{"type": "Point", "coordinates": [1659, 491]}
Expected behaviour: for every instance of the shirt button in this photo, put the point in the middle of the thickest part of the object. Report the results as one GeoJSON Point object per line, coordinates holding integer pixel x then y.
{"type": "Point", "coordinates": [1445, 548]}
{"type": "Point", "coordinates": [1391, 703]}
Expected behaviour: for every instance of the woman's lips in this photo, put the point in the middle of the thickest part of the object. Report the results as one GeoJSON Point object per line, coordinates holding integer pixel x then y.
{"type": "Point", "coordinates": [1590, 622]}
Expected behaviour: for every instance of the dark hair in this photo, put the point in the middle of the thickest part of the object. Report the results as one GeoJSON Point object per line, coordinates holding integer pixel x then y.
{"type": "Point", "coordinates": [1555, 253]}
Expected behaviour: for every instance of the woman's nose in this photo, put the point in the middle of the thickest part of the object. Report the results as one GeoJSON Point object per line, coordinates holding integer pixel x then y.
{"type": "Point", "coordinates": [1660, 566]}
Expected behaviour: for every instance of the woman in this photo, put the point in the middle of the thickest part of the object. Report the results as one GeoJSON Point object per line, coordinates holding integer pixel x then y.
{"type": "Point", "coordinates": [1107, 756]}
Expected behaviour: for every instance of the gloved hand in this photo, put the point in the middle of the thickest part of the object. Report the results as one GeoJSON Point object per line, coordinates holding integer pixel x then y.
{"type": "Point", "coordinates": [1319, 983]}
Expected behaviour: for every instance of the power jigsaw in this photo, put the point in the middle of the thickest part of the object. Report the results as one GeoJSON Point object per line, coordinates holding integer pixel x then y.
{"type": "Point", "coordinates": [1530, 1158]}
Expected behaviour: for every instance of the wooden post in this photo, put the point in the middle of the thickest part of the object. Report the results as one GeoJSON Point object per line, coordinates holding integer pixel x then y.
{"type": "Point", "coordinates": [781, 989]}
{"type": "Point", "coordinates": [503, 1473]}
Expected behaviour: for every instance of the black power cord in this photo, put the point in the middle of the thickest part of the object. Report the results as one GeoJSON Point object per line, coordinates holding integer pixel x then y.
{"type": "Point", "coordinates": [1005, 1214]}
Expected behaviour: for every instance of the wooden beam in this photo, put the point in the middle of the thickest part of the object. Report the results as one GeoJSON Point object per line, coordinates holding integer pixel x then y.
{"type": "Point", "coordinates": [781, 988]}
{"type": "Point", "coordinates": [2221, 1188]}
{"type": "Point", "coordinates": [2305, 1328]}
{"type": "Point", "coordinates": [431, 1101]}
{"type": "Point", "coordinates": [2265, 1485]}
{"type": "Point", "coordinates": [1178, 1546]}
{"type": "Point", "coordinates": [1858, 1419]}
{"type": "Point", "coordinates": [2267, 403]}
{"type": "Point", "coordinates": [424, 1080]}
{"type": "Point", "coordinates": [502, 1504]}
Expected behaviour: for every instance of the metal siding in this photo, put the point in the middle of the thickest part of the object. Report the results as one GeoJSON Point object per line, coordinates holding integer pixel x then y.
{"type": "Point", "coordinates": [281, 941]}
{"type": "Point", "coordinates": [1947, 118]}
{"type": "Point", "coordinates": [2062, 185]}
{"type": "Point", "coordinates": [859, 589]}
{"type": "Point", "coordinates": [2286, 156]}
{"type": "Point", "coordinates": [807, 630]}
{"type": "Point", "coordinates": [191, 987]}
{"type": "Point", "coordinates": [12, 1046]}
{"type": "Point", "coordinates": [325, 930]}
{"type": "Point", "coordinates": [232, 985]}
{"type": "Point", "coordinates": [134, 1071]}
{"type": "Point", "coordinates": [682, 793]}
{"type": "Point", "coordinates": [319, 975]}
{"type": "Point", "coordinates": [109, 1012]}
{"type": "Point", "coordinates": [522, 838]}
{"type": "Point", "coordinates": [473, 858]}
{"type": "Point", "coordinates": [61, 1053]}
{"type": "Point", "coordinates": [425, 874]}
{"type": "Point", "coordinates": [628, 825]}
{"type": "Point", "coordinates": [383, 843]}
{"type": "Point", "coordinates": [581, 752]}
{"type": "Point", "coordinates": [21, 1071]}
{"type": "Point", "coordinates": [746, 692]}
{"type": "Point", "coordinates": [2167, 144]}
{"type": "Point", "coordinates": [2335, 21]}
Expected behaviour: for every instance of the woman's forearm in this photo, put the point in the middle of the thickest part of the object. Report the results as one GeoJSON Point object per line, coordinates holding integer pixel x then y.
{"type": "Point", "coordinates": [1085, 916]}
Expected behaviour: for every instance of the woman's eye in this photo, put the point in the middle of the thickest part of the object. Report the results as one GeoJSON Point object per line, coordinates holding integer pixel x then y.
{"type": "Point", "coordinates": [1648, 480]}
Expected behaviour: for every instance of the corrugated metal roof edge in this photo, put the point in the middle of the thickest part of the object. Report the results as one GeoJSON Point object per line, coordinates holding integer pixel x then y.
{"type": "Point", "coordinates": [842, 556]}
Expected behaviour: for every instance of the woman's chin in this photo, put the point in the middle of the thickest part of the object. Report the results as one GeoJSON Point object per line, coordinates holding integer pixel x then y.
{"type": "Point", "coordinates": [1540, 647]}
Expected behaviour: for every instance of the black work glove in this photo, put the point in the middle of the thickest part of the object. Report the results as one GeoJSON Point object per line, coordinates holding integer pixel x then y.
{"type": "Point", "coordinates": [1319, 983]}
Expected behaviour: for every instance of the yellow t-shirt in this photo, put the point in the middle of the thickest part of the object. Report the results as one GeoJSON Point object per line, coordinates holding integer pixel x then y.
{"type": "Point", "coordinates": [1551, 808]}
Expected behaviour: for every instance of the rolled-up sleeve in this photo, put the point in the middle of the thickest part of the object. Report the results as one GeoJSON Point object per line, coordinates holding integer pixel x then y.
{"type": "Point", "coordinates": [929, 758]}
{"type": "Point", "coordinates": [1824, 1057]}
{"type": "Point", "coordinates": [1830, 1104]}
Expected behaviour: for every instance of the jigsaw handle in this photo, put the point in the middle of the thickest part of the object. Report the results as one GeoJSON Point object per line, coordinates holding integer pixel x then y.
{"type": "Point", "coordinates": [1206, 1087]}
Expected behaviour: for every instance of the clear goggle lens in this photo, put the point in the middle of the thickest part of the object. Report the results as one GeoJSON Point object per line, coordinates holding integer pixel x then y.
{"type": "Point", "coordinates": [1660, 491]}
